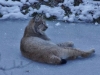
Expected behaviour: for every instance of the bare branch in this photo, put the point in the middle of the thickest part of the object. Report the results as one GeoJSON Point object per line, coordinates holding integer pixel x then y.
{"type": "Point", "coordinates": [15, 67]}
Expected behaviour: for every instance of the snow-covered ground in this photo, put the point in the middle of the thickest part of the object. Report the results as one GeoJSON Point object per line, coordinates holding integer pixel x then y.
{"type": "Point", "coordinates": [85, 36]}
{"type": "Point", "coordinates": [87, 11]}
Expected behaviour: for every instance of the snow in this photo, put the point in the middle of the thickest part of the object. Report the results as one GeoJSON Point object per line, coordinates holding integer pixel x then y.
{"type": "Point", "coordinates": [23, 1]}
{"type": "Point", "coordinates": [85, 36]}
{"type": "Point", "coordinates": [14, 16]}
{"type": "Point", "coordinates": [68, 2]}
{"type": "Point", "coordinates": [10, 3]}
{"type": "Point", "coordinates": [32, 1]}
{"type": "Point", "coordinates": [57, 24]}
{"type": "Point", "coordinates": [65, 18]}
{"type": "Point", "coordinates": [46, 0]}
{"type": "Point", "coordinates": [71, 18]}
{"type": "Point", "coordinates": [47, 15]}
{"type": "Point", "coordinates": [12, 12]}
{"type": "Point", "coordinates": [85, 12]}
{"type": "Point", "coordinates": [96, 23]}
{"type": "Point", "coordinates": [51, 11]}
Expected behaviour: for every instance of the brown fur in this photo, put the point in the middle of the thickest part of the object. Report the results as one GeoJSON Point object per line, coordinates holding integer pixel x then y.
{"type": "Point", "coordinates": [35, 45]}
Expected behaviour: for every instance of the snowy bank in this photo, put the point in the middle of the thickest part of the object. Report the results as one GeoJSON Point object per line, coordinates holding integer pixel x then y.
{"type": "Point", "coordinates": [65, 10]}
